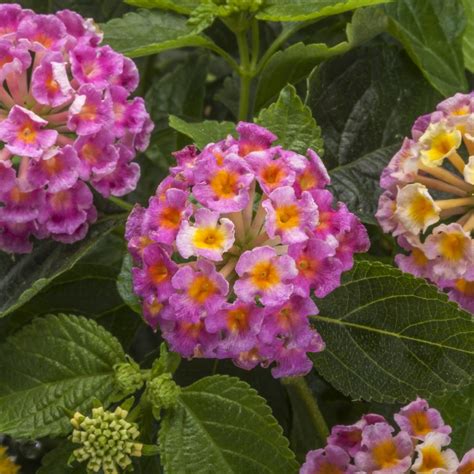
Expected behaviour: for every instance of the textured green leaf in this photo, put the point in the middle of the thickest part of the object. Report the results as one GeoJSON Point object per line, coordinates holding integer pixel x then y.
{"type": "Point", "coordinates": [292, 122]}
{"type": "Point", "coordinates": [468, 38]}
{"type": "Point", "coordinates": [431, 31]}
{"type": "Point", "coordinates": [178, 6]}
{"type": "Point", "coordinates": [180, 91]}
{"type": "Point", "coordinates": [149, 32]}
{"type": "Point", "coordinates": [125, 285]}
{"type": "Point", "coordinates": [300, 10]}
{"type": "Point", "coordinates": [290, 66]}
{"type": "Point", "coordinates": [56, 362]}
{"type": "Point", "coordinates": [390, 337]}
{"type": "Point", "coordinates": [357, 183]}
{"type": "Point", "coordinates": [365, 103]}
{"type": "Point", "coordinates": [457, 409]}
{"type": "Point", "coordinates": [222, 425]}
{"type": "Point", "coordinates": [203, 133]}
{"type": "Point", "coordinates": [295, 63]}
{"type": "Point", "coordinates": [87, 289]}
{"type": "Point", "coordinates": [23, 277]}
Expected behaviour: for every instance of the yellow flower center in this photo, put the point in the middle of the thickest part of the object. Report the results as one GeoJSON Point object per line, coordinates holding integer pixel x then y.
{"type": "Point", "coordinates": [419, 423]}
{"type": "Point", "coordinates": [61, 200]}
{"type": "Point", "coordinates": [265, 275]}
{"type": "Point", "coordinates": [288, 217]}
{"type": "Point", "coordinates": [225, 184]}
{"type": "Point", "coordinates": [452, 246]}
{"type": "Point", "coordinates": [208, 238]}
{"type": "Point", "coordinates": [307, 180]}
{"type": "Point", "coordinates": [88, 112]}
{"type": "Point", "coordinates": [385, 454]}
{"type": "Point", "coordinates": [467, 468]}
{"type": "Point", "coordinates": [27, 133]}
{"type": "Point", "coordinates": [158, 273]}
{"type": "Point", "coordinates": [237, 319]}
{"type": "Point", "coordinates": [421, 210]}
{"type": "Point", "coordinates": [272, 174]}
{"type": "Point", "coordinates": [432, 459]}
{"type": "Point", "coordinates": [328, 468]}
{"type": "Point", "coordinates": [170, 217]}
{"type": "Point", "coordinates": [201, 289]}
{"type": "Point", "coordinates": [90, 152]}
{"type": "Point", "coordinates": [419, 257]}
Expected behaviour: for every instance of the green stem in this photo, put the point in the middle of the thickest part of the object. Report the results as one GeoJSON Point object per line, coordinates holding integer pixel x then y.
{"type": "Point", "coordinates": [303, 392]}
{"type": "Point", "coordinates": [255, 45]}
{"type": "Point", "coordinates": [224, 55]}
{"type": "Point", "coordinates": [121, 203]}
{"type": "Point", "coordinates": [245, 75]}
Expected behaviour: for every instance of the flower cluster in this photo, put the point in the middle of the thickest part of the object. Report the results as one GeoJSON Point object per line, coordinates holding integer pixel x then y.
{"type": "Point", "coordinates": [370, 446]}
{"type": "Point", "coordinates": [66, 119]}
{"type": "Point", "coordinates": [108, 440]}
{"type": "Point", "coordinates": [232, 246]}
{"type": "Point", "coordinates": [428, 203]}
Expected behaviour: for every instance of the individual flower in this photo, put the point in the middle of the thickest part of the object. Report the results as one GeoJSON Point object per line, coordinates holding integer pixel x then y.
{"type": "Point", "coordinates": [288, 217]}
{"type": "Point", "coordinates": [230, 251]}
{"type": "Point", "coordinates": [382, 452]}
{"type": "Point", "coordinates": [329, 460]}
{"type": "Point", "coordinates": [432, 459]}
{"type": "Point", "coordinates": [108, 441]}
{"type": "Point", "coordinates": [67, 121]}
{"type": "Point", "coordinates": [208, 237]}
{"type": "Point", "coordinates": [418, 420]}
{"type": "Point", "coordinates": [428, 202]}
{"type": "Point", "coordinates": [266, 275]}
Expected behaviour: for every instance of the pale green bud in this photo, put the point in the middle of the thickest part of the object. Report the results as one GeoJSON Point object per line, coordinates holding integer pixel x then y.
{"type": "Point", "coordinates": [128, 377]}
{"type": "Point", "coordinates": [163, 392]}
{"type": "Point", "coordinates": [107, 440]}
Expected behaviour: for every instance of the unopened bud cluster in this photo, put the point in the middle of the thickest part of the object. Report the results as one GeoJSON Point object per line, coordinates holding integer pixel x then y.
{"type": "Point", "coordinates": [107, 440]}
{"type": "Point", "coordinates": [163, 392]}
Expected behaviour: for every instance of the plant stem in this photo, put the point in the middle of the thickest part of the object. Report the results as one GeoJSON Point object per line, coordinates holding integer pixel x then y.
{"type": "Point", "coordinates": [245, 74]}
{"type": "Point", "coordinates": [255, 45]}
{"type": "Point", "coordinates": [303, 392]}
{"type": "Point", "coordinates": [121, 203]}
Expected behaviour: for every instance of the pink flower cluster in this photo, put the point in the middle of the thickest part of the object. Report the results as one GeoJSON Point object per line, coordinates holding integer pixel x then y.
{"type": "Point", "coordinates": [66, 119]}
{"type": "Point", "coordinates": [232, 246]}
{"type": "Point", "coordinates": [428, 203]}
{"type": "Point", "coordinates": [371, 447]}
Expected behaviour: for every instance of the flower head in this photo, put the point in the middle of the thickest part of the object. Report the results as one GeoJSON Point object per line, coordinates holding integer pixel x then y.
{"type": "Point", "coordinates": [242, 251]}
{"type": "Point", "coordinates": [108, 440]}
{"type": "Point", "coordinates": [67, 123]}
{"type": "Point", "coordinates": [329, 460]}
{"type": "Point", "coordinates": [428, 202]}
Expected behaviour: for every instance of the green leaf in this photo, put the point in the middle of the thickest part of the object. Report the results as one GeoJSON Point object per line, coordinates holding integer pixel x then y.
{"type": "Point", "coordinates": [357, 184]}
{"type": "Point", "coordinates": [125, 285]}
{"type": "Point", "coordinates": [295, 63]}
{"type": "Point", "coordinates": [301, 10]}
{"type": "Point", "coordinates": [390, 337]}
{"type": "Point", "coordinates": [431, 31]}
{"type": "Point", "coordinates": [457, 409]}
{"type": "Point", "coordinates": [178, 6]}
{"type": "Point", "coordinates": [468, 38]}
{"type": "Point", "coordinates": [365, 103]}
{"type": "Point", "coordinates": [180, 91]}
{"type": "Point", "coordinates": [292, 122]}
{"type": "Point", "coordinates": [290, 66]}
{"type": "Point", "coordinates": [149, 32]}
{"type": "Point", "coordinates": [56, 362]}
{"type": "Point", "coordinates": [25, 276]}
{"type": "Point", "coordinates": [87, 289]}
{"type": "Point", "coordinates": [222, 422]}
{"type": "Point", "coordinates": [203, 133]}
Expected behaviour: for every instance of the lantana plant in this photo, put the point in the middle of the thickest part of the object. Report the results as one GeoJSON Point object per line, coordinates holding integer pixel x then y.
{"type": "Point", "coordinates": [213, 259]}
